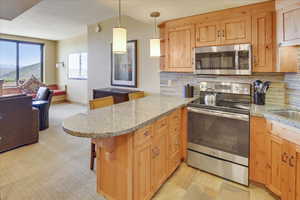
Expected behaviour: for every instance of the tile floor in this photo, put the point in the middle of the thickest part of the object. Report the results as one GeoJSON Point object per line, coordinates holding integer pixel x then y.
{"type": "Point", "coordinates": [57, 168]}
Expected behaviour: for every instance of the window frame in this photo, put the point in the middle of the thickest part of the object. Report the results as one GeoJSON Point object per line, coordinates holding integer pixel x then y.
{"type": "Point", "coordinates": [80, 66]}
{"type": "Point", "coordinates": [18, 42]}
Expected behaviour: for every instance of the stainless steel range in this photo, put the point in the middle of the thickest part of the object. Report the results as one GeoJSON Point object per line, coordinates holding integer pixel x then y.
{"type": "Point", "coordinates": [219, 130]}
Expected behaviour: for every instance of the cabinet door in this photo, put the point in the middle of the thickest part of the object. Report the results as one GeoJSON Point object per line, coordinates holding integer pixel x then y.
{"type": "Point", "coordinates": [288, 24]}
{"type": "Point", "coordinates": [298, 173]}
{"type": "Point", "coordinates": [159, 161]}
{"type": "Point", "coordinates": [207, 34]}
{"type": "Point", "coordinates": [142, 172]}
{"type": "Point", "coordinates": [258, 153]}
{"type": "Point", "coordinates": [173, 152]}
{"type": "Point", "coordinates": [288, 171]}
{"type": "Point", "coordinates": [236, 30]}
{"type": "Point", "coordinates": [179, 48]}
{"type": "Point", "coordinates": [262, 42]}
{"type": "Point", "coordinates": [274, 164]}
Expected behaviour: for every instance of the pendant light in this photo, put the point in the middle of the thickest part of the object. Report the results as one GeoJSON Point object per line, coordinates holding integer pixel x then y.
{"type": "Point", "coordinates": [119, 36]}
{"type": "Point", "coordinates": [155, 41]}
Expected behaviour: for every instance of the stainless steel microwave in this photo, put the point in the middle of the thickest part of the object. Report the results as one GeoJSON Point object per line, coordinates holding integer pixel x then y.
{"type": "Point", "coordinates": [223, 60]}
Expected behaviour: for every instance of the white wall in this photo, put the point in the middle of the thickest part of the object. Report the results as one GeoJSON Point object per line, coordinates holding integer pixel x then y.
{"type": "Point", "coordinates": [76, 89]}
{"type": "Point", "coordinates": [99, 55]}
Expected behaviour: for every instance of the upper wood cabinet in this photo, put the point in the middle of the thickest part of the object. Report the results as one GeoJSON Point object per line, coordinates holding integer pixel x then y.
{"type": "Point", "coordinates": [229, 31]}
{"type": "Point", "coordinates": [179, 45]}
{"type": "Point", "coordinates": [208, 34]}
{"type": "Point", "coordinates": [263, 38]}
{"type": "Point", "coordinates": [288, 15]}
{"type": "Point", "coordinates": [253, 24]}
{"type": "Point", "coordinates": [236, 30]}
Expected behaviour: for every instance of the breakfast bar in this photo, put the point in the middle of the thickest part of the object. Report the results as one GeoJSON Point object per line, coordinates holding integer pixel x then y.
{"type": "Point", "coordinates": [139, 143]}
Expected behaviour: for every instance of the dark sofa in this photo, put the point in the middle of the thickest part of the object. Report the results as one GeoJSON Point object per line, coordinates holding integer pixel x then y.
{"type": "Point", "coordinates": [19, 122]}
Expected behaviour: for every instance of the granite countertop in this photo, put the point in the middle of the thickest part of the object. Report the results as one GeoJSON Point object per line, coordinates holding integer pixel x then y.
{"type": "Point", "coordinates": [122, 118]}
{"type": "Point", "coordinates": [269, 112]}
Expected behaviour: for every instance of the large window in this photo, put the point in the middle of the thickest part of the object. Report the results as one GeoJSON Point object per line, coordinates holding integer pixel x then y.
{"type": "Point", "coordinates": [20, 60]}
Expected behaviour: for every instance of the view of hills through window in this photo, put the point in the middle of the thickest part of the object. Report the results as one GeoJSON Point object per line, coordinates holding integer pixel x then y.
{"type": "Point", "coordinates": [19, 61]}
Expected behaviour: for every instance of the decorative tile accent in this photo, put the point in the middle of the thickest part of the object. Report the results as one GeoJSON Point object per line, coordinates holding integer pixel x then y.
{"type": "Point", "coordinates": [276, 94]}
{"type": "Point", "coordinates": [293, 85]}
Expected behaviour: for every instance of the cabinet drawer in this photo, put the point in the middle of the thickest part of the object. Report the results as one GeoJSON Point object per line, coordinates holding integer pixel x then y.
{"type": "Point", "coordinates": [174, 143]}
{"type": "Point", "coordinates": [143, 135]}
{"type": "Point", "coordinates": [161, 125]}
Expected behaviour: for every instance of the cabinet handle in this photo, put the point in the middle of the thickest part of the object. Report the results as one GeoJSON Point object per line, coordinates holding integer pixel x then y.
{"type": "Point", "coordinates": [157, 151]}
{"type": "Point", "coordinates": [284, 157]}
{"type": "Point", "coordinates": [153, 153]}
{"type": "Point", "coordinates": [218, 34]}
{"type": "Point", "coordinates": [146, 133]}
{"type": "Point", "coordinates": [291, 163]}
{"type": "Point", "coordinates": [255, 60]}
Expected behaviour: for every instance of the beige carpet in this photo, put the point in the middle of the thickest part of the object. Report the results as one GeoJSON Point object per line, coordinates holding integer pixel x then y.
{"type": "Point", "coordinates": [57, 168]}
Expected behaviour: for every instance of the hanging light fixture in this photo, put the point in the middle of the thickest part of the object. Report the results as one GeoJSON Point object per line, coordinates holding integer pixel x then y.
{"type": "Point", "coordinates": [119, 36]}
{"type": "Point", "coordinates": [155, 41]}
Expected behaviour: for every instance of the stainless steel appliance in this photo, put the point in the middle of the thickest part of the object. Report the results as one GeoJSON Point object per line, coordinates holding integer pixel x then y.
{"type": "Point", "coordinates": [226, 60]}
{"type": "Point", "coordinates": [218, 134]}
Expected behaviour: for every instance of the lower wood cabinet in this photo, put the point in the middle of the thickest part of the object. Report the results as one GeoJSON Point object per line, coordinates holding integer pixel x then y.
{"type": "Point", "coordinates": [274, 152]}
{"type": "Point", "coordinates": [156, 155]}
{"type": "Point", "coordinates": [258, 154]}
{"type": "Point", "coordinates": [277, 166]}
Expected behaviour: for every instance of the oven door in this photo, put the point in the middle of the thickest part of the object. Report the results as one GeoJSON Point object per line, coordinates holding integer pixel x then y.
{"type": "Point", "coordinates": [219, 134]}
{"type": "Point", "coordinates": [227, 60]}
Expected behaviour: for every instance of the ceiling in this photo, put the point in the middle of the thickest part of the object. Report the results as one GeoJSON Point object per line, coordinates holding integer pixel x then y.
{"type": "Point", "coordinates": [61, 19]}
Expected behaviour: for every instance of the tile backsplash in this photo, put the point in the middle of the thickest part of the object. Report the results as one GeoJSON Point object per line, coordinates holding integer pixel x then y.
{"type": "Point", "coordinates": [293, 86]}
{"type": "Point", "coordinates": [173, 83]}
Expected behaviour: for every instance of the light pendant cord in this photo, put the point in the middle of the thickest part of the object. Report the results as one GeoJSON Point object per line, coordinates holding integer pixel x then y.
{"type": "Point", "coordinates": [119, 21]}
{"type": "Point", "coordinates": [155, 28]}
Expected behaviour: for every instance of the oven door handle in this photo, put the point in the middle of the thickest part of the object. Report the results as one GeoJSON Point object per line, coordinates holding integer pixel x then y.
{"type": "Point", "coordinates": [220, 113]}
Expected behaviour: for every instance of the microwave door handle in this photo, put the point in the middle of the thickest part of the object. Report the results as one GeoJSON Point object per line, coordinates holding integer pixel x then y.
{"type": "Point", "coordinates": [237, 60]}
{"type": "Point", "coordinates": [220, 114]}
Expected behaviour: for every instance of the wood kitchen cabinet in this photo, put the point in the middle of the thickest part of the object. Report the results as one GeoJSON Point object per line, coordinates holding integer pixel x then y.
{"type": "Point", "coordinates": [288, 15]}
{"type": "Point", "coordinates": [156, 154]}
{"type": "Point", "coordinates": [298, 173]}
{"type": "Point", "coordinates": [258, 154]}
{"type": "Point", "coordinates": [179, 45]}
{"type": "Point", "coordinates": [283, 161]}
{"type": "Point", "coordinates": [229, 31]}
{"type": "Point", "coordinates": [274, 153]}
{"type": "Point", "coordinates": [263, 37]}
{"type": "Point", "coordinates": [236, 30]}
{"type": "Point", "coordinates": [288, 171]}
{"type": "Point", "coordinates": [159, 157]}
{"type": "Point", "coordinates": [133, 166]}
{"type": "Point", "coordinates": [208, 34]}
{"type": "Point", "coordinates": [252, 24]}
{"type": "Point", "coordinates": [143, 155]}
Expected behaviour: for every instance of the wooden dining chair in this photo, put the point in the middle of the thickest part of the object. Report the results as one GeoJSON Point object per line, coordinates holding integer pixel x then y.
{"type": "Point", "coordinates": [94, 104]}
{"type": "Point", "coordinates": [136, 95]}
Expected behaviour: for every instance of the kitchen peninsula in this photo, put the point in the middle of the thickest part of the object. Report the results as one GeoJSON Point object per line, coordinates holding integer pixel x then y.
{"type": "Point", "coordinates": [139, 144]}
